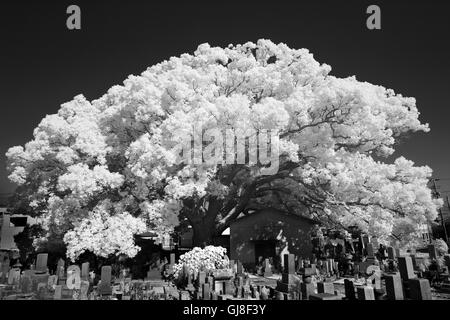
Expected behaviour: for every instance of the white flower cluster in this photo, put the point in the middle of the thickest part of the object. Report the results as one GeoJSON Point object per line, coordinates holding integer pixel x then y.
{"type": "Point", "coordinates": [209, 259]}
{"type": "Point", "coordinates": [104, 235]}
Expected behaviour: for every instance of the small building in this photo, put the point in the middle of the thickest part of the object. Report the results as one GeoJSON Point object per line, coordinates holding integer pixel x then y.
{"type": "Point", "coordinates": [270, 233]}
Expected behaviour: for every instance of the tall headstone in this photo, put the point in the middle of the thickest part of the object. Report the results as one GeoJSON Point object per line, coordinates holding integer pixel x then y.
{"type": "Point", "coordinates": [267, 268]}
{"type": "Point", "coordinates": [85, 271]}
{"type": "Point", "coordinates": [406, 268]}
{"type": "Point", "coordinates": [172, 258]}
{"type": "Point", "coordinates": [394, 288]}
{"type": "Point", "coordinates": [370, 250]}
{"type": "Point", "coordinates": [306, 288]}
{"type": "Point", "coordinates": [41, 263]}
{"type": "Point", "coordinates": [419, 289]}
{"type": "Point", "coordinates": [391, 253]}
{"type": "Point", "coordinates": [366, 293]}
{"type": "Point", "coordinates": [240, 268]}
{"type": "Point", "coordinates": [365, 240]}
{"type": "Point", "coordinates": [349, 289]}
{"type": "Point", "coordinates": [58, 292]}
{"type": "Point", "coordinates": [206, 291]}
{"type": "Point", "coordinates": [414, 261]}
{"type": "Point", "coordinates": [289, 263]}
{"type": "Point", "coordinates": [105, 278]}
{"type": "Point", "coordinates": [201, 278]}
{"type": "Point", "coordinates": [84, 288]}
{"type": "Point", "coordinates": [432, 251]}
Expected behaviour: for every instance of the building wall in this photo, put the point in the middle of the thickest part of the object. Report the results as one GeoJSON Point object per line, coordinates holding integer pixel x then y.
{"type": "Point", "coordinates": [290, 231]}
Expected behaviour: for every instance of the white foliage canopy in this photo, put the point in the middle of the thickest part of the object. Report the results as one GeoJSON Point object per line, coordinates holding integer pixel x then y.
{"type": "Point", "coordinates": [101, 171]}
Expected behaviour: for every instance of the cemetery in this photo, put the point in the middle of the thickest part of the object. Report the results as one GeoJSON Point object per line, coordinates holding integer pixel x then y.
{"type": "Point", "coordinates": [359, 269]}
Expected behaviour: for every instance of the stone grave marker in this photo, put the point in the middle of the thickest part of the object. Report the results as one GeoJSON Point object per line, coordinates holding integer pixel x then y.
{"type": "Point", "coordinates": [419, 289]}
{"type": "Point", "coordinates": [391, 253]}
{"type": "Point", "coordinates": [370, 250]}
{"type": "Point", "coordinates": [26, 282]}
{"type": "Point", "coordinates": [14, 276]}
{"type": "Point", "coordinates": [366, 293]}
{"type": "Point", "coordinates": [289, 263]}
{"type": "Point", "coordinates": [84, 288]}
{"type": "Point", "coordinates": [85, 271]}
{"type": "Point", "coordinates": [414, 262]}
{"type": "Point", "coordinates": [58, 292]}
{"type": "Point", "coordinates": [325, 287]}
{"type": "Point", "coordinates": [394, 288]}
{"type": "Point", "coordinates": [306, 290]}
{"type": "Point", "coordinates": [240, 268]}
{"type": "Point", "coordinates": [206, 294]}
{"type": "Point", "coordinates": [349, 289]}
{"type": "Point", "coordinates": [201, 278]}
{"type": "Point", "coordinates": [267, 268]}
{"type": "Point", "coordinates": [41, 263]}
{"type": "Point", "coordinates": [105, 278]}
{"type": "Point", "coordinates": [406, 268]}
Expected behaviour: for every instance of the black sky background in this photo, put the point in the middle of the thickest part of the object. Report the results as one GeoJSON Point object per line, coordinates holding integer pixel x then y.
{"type": "Point", "coordinates": [43, 64]}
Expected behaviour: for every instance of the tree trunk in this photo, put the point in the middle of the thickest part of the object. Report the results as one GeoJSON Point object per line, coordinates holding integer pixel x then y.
{"type": "Point", "coordinates": [203, 233]}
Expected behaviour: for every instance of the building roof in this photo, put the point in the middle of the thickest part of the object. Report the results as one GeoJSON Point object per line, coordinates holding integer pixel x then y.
{"type": "Point", "coordinates": [279, 212]}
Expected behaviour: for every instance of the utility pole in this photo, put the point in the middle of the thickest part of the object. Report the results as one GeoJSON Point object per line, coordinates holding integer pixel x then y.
{"type": "Point", "coordinates": [440, 211]}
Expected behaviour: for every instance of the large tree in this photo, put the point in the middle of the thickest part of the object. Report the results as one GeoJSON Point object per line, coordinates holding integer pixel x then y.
{"type": "Point", "coordinates": [98, 172]}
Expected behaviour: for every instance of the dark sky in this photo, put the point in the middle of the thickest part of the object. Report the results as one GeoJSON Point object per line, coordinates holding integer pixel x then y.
{"type": "Point", "coordinates": [43, 64]}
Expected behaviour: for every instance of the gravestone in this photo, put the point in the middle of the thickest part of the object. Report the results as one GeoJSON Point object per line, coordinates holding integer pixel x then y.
{"type": "Point", "coordinates": [41, 263]}
{"type": "Point", "coordinates": [26, 282]}
{"type": "Point", "coordinates": [365, 240]}
{"type": "Point", "coordinates": [414, 262]}
{"type": "Point", "coordinates": [85, 271]}
{"type": "Point", "coordinates": [105, 278]}
{"type": "Point", "coordinates": [306, 290]}
{"type": "Point", "coordinates": [84, 288]}
{"type": "Point", "coordinates": [325, 287]}
{"type": "Point", "coordinates": [419, 289]}
{"type": "Point", "coordinates": [370, 250]}
{"type": "Point", "coordinates": [206, 291]}
{"type": "Point", "coordinates": [406, 268]}
{"type": "Point", "coordinates": [14, 276]}
{"type": "Point", "coordinates": [349, 289]}
{"type": "Point", "coordinates": [42, 291]}
{"type": "Point", "coordinates": [229, 289]}
{"type": "Point", "coordinates": [394, 288]}
{"type": "Point", "coordinates": [201, 278]}
{"type": "Point", "coordinates": [374, 242]}
{"type": "Point", "coordinates": [289, 263]}
{"type": "Point", "coordinates": [432, 251]}
{"type": "Point", "coordinates": [391, 253]}
{"type": "Point", "coordinates": [239, 269]}
{"type": "Point", "coordinates": [267, 268]}
{"type": "Point", "coordinates": [58, 292]}
{"type": "Point", "coordinates": [366, 293]}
